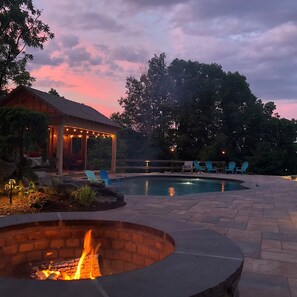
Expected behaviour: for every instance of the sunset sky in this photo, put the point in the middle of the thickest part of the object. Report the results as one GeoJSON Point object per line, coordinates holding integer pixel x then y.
{"type": "Point", "coordinates": [99, 43]}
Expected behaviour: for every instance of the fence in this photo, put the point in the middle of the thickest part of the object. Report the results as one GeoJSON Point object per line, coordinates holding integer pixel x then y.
{"type": "Point", "coordinates": [147, 166]}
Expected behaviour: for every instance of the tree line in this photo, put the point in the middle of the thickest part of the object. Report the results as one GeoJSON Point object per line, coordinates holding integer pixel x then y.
{"type": "Point", "coordinates": [194, 111]}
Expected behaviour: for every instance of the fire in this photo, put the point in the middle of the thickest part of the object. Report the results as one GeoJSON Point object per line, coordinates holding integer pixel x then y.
{"type": "Point", "coordinates": [88, 251]}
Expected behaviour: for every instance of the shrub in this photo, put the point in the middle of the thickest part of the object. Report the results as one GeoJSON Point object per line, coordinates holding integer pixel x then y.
{"type": "Point", "coordinates": [37, 199]}
{"type": "Point", "coordinates": [84, 195]}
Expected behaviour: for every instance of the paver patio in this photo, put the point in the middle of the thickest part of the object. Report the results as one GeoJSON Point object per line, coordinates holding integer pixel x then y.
{"type": "Point", "coordinates": [262, 220]}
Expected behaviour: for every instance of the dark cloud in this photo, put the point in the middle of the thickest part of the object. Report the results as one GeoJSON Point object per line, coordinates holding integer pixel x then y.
{"type": "Point", "coordinates": [49, 83]}
{"type": "Point", "coordinates": [74, 56]}
{"type": "Point", "coordinates": [79, 56]}
{"type": "Point", "coordinates": [151, 3]}
{"type": "Point", "coordinates": [93, 20]}
{"type": "Point", "coordinates": [102, 47]}
{"type": "Point", "coordinates": [262, 11]}
{"type": "Point", "coordinates": [45, 57]}
{"type": "Point", "coordinates": [69, 41]}
{"type": "Point", "coordinates": [130, 54]}
{"type": "Point", "coordinates": [233, 16]}
{"type": "Point", "coordinates": [89, 20]}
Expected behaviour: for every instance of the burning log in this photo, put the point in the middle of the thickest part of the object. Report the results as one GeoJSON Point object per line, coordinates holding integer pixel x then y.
{"type": "Point", "coordinates": [87, 266]}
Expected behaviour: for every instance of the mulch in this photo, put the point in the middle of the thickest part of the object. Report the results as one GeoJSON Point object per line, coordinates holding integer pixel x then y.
{"type": "Point", "coordinates": [20, 205]}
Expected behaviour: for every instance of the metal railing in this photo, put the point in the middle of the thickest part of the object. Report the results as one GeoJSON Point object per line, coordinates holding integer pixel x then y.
{"type": "Point", "coordinates": [148, 166]}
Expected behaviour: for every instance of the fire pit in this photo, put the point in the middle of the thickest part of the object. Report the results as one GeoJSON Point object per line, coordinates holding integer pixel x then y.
{"type": "Point", "coordinates": [139, 256]}
{"type": "Point", "coordinates": [69, 250]}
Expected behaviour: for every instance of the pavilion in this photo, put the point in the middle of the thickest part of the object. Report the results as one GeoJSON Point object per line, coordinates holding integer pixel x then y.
{"type": "Point", "coordinates": [69, 122]}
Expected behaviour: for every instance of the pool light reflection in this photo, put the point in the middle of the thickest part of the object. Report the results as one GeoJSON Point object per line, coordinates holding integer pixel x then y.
{"type": "Point", "coordinates": [171, 191]}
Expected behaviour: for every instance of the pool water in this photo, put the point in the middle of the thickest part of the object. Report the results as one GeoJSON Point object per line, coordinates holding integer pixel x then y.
{"type": "Point", "coordinates": [174, 186]}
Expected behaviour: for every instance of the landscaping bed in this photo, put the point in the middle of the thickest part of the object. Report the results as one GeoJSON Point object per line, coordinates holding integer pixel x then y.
{"type": "Point", "coordinates": [56, 195]}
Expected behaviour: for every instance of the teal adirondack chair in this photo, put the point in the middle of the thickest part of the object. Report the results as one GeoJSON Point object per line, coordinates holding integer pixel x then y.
{"type": "Point", "coordinates": [209, 167]}
{"type": "Point", "coordinates": [92, 177]}
{"type": "Point", "coordinates": [104, 176]}
{"type": "Point", "coordinates": [197, 166]}
{"type": "Point", "coordinates": [243, 168]}
{"type": "Point", "coordinates": [230, 168]}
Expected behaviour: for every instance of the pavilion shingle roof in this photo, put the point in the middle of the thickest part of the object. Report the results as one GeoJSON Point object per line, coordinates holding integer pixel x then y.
{"type": "Point", "coordinates": [71, 108]}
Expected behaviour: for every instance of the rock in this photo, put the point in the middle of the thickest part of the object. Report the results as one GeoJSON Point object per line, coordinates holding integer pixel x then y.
{"type": "Point", "coordinates": [44, 179]}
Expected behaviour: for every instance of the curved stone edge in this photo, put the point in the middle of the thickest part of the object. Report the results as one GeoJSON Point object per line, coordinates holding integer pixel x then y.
{"type": "Point", "coordinates": [199, 266]}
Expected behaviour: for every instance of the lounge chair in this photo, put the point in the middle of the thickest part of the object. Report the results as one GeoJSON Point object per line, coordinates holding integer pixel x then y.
{"type": "Point", "coordinates": [92, 178]}
{"type": "Point", "coordinates": [209, 167]}
{"type": "Point", "coordinates": [104, 176]}
{"type": "Point", "coordinates": [188, 166]}
{"type": "Point", "coordinates": [243, 168]}
{"type": "Point", "coordinates": [197, 166]}
{"type": "Point", "coordinates": [230, 168]}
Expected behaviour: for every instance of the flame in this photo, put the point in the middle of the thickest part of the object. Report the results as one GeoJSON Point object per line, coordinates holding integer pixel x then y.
{"type": "Point", "coordinates": [88, 250]}
{"type": "Point", "coordinates": [47, 273]}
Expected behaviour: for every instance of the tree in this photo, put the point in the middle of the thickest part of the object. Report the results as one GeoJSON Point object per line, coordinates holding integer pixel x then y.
{"type": "Point", "coordinates": [241, 116]}
{"type": "Point", "coordinates": [148, 107]}
{"type": "Point", "coordinates": [54, 92]}
{"type": "Point", "coordinates": [19, 128]}
{"type": "Point", "coordinates": [20, 28]}
{"type": "Point", "coordinates": [197, 89]}
{"type": "Point", "coordinates": [275, 151]}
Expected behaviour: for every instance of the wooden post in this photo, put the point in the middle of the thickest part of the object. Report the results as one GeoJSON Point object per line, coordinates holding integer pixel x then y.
{"type": "Point", "coordinates": [85, 150]}
{"type": "Point", "coordinates": [60, 141]}
{"type": "Point", "coordinates": [113, 152]}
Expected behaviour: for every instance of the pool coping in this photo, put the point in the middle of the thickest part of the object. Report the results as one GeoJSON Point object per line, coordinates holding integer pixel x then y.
{"type": "Point", "coordinates": [204, 263]}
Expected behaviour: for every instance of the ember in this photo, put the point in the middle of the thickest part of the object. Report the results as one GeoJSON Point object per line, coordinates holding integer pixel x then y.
{"type": "Point", "coordinates": [87, 266]}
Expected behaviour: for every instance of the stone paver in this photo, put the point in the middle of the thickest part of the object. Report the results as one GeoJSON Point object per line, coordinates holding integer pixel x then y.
{"type": "Point", "coordinates": [262, 220]}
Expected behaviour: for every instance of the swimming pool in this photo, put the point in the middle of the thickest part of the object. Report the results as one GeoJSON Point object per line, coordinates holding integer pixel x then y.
{"type": "Point", "coordinates": [174, 186]}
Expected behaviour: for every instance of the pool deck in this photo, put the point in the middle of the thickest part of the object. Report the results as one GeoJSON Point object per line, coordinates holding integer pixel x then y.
{"type": "Point", "coordinates": [261, 220]}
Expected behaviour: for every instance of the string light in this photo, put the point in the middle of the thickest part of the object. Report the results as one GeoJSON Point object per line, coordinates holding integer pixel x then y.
{"type": "Point", "coordinates": [84, 132]}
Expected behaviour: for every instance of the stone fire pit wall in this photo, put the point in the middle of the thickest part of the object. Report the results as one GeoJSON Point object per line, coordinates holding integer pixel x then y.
{"type": "Point", "coordinates": [124, 246]}
{"type": "Point", "coordinates": [188, 260]}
